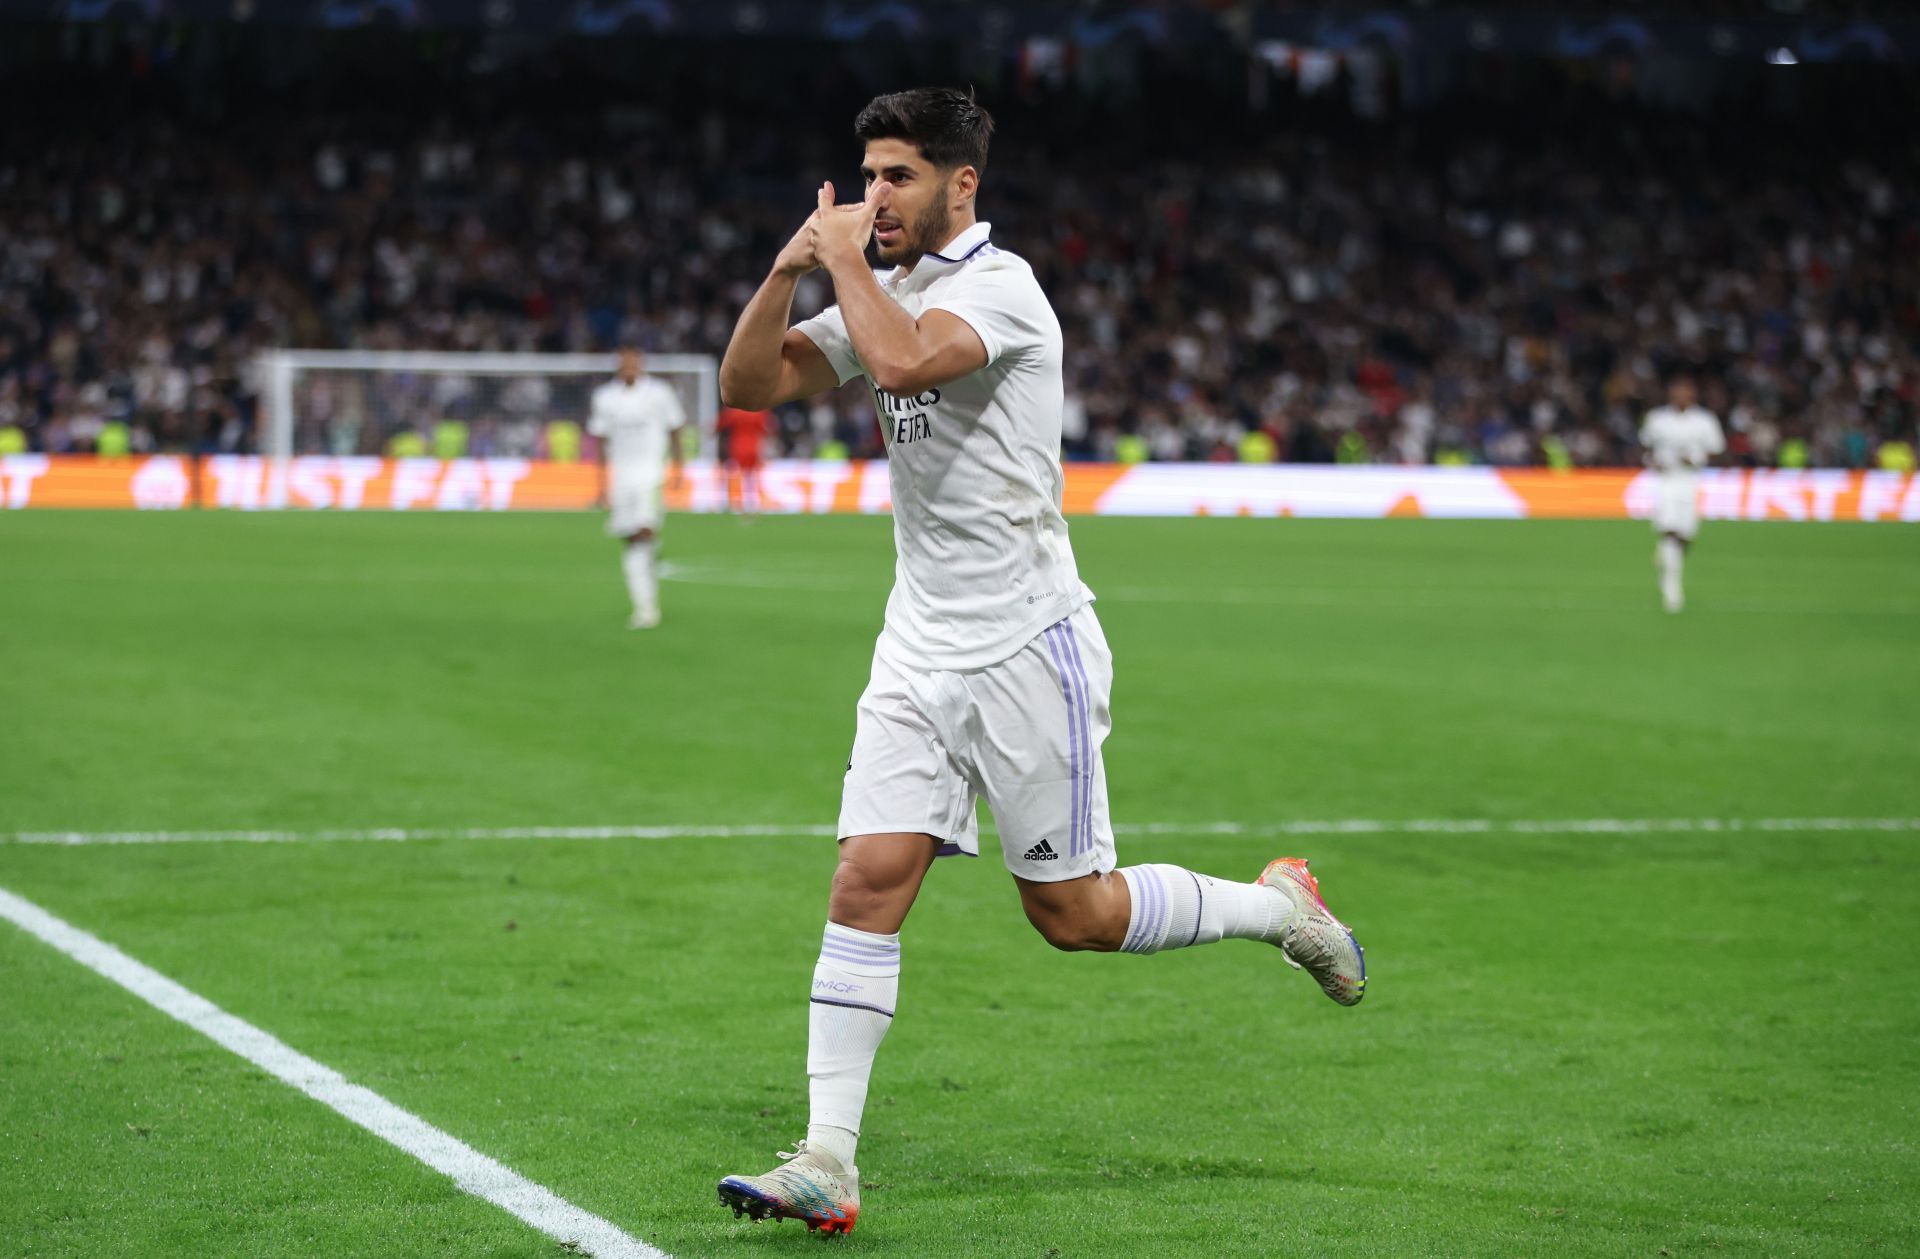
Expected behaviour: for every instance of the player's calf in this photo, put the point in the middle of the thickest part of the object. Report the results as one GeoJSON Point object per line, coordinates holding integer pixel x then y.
{"type": "Point", "coordinates": [1078, 915]}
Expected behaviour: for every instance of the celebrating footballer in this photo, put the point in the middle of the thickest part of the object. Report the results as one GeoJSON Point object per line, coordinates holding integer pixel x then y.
{"type": "Point", "coordinates": [990, 675]}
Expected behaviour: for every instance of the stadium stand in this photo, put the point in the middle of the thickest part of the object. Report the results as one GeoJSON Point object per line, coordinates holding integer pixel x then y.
{"type": "Point", "coordinates": [1311, 285]}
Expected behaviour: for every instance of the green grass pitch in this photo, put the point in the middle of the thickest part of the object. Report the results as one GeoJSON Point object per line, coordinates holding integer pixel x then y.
{"type": "Point", "coordinates": [1584, 1044]}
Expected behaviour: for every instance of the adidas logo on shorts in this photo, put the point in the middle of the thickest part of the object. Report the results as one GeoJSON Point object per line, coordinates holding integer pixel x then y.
{"type": "Point", "coordinates": [1042, 851]}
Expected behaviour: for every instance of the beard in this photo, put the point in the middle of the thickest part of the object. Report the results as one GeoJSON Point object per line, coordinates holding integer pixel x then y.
{"type": "Point", "coordinates": [933, 230]}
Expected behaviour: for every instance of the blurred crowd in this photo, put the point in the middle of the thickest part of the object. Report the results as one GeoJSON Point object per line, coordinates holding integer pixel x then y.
{"type": "Point", "coordinates": [1415, 292]}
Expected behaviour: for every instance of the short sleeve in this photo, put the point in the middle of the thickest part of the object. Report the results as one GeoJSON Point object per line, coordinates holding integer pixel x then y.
{"type": "Point", "coordinates": [1716, 437]}
{"type": "Point", "coordinates": [1004, 306]}
{"type": "Point", "coordinates": [828, 331]}
{"type": "Point", "coordinates": [597, 417]}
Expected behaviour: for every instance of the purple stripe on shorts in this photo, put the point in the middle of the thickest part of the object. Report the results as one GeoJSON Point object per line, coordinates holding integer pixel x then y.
{"type": "Point", "coordinates": [1057, 647]}
{"type": "Point", "coordinates": [1086, 737]}
{"type": "Point", "coordinates": [1077, 733]}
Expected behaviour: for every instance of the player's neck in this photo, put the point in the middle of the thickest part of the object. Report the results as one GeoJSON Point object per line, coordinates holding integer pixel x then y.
{"type": "Point", "coordinates": [958, 225]}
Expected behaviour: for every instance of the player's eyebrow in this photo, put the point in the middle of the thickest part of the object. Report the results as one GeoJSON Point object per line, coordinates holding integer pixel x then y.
{"type": "Point", "coordinates": [889, 171]}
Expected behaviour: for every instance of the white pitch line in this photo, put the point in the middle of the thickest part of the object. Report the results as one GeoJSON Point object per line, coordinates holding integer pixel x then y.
{"type": "Point", "coordinates": [471, 1170]}
{"type": "Point", "coordinates": [405, 834]}
{"type": "Point", "coordinates": [1301, 826]}
{"type": "Point", "coordinates": [1521, 826]}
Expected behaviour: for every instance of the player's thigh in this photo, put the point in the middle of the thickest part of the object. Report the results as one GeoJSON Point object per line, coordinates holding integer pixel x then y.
{"type": "Point", "coordinates": [1040, 721]}
{"type": "Point", "coordinates": [903, 776]}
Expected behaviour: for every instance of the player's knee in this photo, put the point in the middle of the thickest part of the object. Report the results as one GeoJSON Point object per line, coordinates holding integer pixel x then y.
{"type": "Point", "coordinates": [853, 888]}
{"type": "Point", "coordinates": [863, 891]}
{"type": "Point", "coordinates": [641, 538]}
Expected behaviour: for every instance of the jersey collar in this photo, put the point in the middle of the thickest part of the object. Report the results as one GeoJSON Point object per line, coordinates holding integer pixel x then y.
{"type": "Point", "coordinates": [963, 246]}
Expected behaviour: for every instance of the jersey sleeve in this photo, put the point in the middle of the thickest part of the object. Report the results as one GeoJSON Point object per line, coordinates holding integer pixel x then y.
{"type": "Point", "coordinates": [828, 331]}
{"type": "Point", "coordinates": [1003, 305]}
{"type": "Point", "coordinates": [1716, 437]}
{"type": "Point", "coordinates": [597, 422]}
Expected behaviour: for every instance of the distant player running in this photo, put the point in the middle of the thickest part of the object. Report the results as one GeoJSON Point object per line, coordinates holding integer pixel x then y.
{"type": "Point", "coordinates": [638, 419]}
{"type": "Point", "coordinates": [991, 675]}
{"type": "Point", "coordinates": [1678, 439]}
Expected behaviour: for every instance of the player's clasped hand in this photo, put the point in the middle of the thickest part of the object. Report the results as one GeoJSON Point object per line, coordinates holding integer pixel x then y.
{"type": "Point", "coordinates": [853, 223]}
{"type": "Point", "coordinates": [796, 257]}
{"type": "Point", "coordinates": [840, 232]}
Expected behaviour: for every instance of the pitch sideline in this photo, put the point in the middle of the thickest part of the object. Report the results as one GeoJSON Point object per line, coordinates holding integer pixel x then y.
{"type": "Point", "coordinates": [469, 1169]}
{"type": "Point", "coordinates": [1255, 830]}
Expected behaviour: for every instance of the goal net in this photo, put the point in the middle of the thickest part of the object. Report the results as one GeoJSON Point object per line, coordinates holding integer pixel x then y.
{"type": "Point", "coordinates": [438, 405]}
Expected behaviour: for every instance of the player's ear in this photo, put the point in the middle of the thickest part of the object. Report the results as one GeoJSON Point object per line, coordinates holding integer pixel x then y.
{"type": "Point", "coordinates": [965, 184]}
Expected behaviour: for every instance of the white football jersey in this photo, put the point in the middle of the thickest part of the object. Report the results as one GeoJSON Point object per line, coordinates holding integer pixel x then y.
{"type": "Point", "coordinates": [982, 559]}
{"type": "Point", "coordinates": [1681, 441]}
{"type": "Point", "coordinates": [637, 423]}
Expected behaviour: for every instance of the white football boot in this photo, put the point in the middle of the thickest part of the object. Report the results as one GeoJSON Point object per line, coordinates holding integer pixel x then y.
{"type": "Point", "coordinates": [811, 1186]}
{"type": "Point", "coordinates": [1314, 940]}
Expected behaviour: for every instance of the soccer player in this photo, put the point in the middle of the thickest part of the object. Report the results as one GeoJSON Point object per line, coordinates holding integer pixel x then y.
{"type": "Point", "coordinates": [990, 675]}
{"type": "Point", "coordinates": [744, 431]}
{"type": "Point", "coordinates": [638, 419]}
{"type": "Point", "coordinates": [1678, 440]}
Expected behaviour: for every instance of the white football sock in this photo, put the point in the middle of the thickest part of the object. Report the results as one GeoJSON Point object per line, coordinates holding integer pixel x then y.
{"type": "Point", "coordinates": [637, 562]}
{"type": "Point", "coordinates": [1669, 558]}
{"type": "Point", "coordinates": [855, 985]}
{"type": "Point", "coordinates": [1174, 908]}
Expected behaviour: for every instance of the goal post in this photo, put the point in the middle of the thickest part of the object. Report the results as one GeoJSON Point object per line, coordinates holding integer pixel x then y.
{"type": "Point", "coordinates": [452, 404]}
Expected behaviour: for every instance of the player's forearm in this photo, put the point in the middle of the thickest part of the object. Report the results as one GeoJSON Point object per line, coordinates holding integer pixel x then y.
{"type": "Point", "coordinates": [884, 335]}
{"type": "Point", "coordinates": [750, 369]}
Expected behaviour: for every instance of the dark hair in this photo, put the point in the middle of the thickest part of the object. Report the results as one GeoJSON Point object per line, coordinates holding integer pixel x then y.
{"type": "Point", "coordinates": [949, 126]}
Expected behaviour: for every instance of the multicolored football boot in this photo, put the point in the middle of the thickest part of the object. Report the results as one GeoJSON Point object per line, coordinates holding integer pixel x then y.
{"type": "Point", "coordinates": [811, 1187]}
{"type": "Point", "coordinates": [1313, 939]}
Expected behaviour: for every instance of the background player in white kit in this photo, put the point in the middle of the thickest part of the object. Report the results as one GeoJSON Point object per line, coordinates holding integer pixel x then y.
{"type": "Point", "coordinates": [638, 419]}
{"type": "Point", "coordinates": [991, 674]}
{"type": "Point", "coordinates": [1679, 439]}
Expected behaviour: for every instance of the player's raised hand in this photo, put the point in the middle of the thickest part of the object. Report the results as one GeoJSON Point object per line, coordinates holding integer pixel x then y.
{"type": "Point", "coordinates": [841, 232]}
{"type": "Point", "coordinates": [797, 256]}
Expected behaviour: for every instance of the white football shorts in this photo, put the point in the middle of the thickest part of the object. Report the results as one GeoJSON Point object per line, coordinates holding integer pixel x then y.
{"type": "Point", "coordinates": [1024, 733]}
{"type": "Point", "coordinates": [634, 502]}
{"type": "Point", "coordinates": [1676, 504]}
